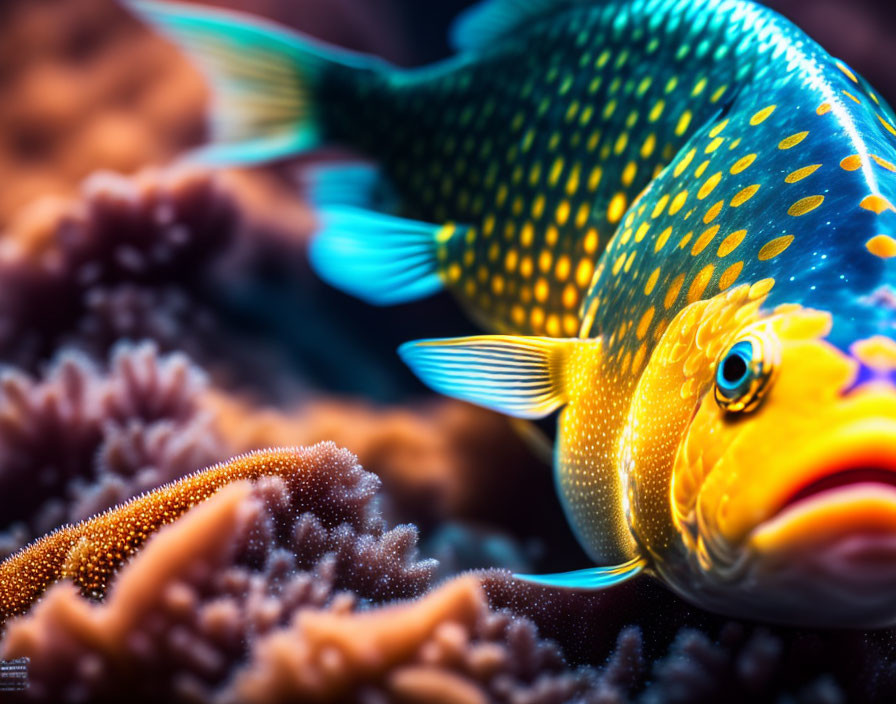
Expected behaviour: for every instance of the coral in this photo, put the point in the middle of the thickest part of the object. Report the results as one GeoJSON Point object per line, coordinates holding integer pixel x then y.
{"type": "Point", "coordinates": [82, 438]}
{"type": "Point", "coordinates": [159, 229]}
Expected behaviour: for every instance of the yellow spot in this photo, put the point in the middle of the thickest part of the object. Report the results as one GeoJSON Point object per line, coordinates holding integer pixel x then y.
{"type": "Point", "coordinates": [594, 178]}
{"type": "Point", "coordinates": [510, 260]}
{"type": "Point", "coordinates": [773, 248]}
{"type": "Point", "coordinates": [501, 195]}
{"type": "Point", "coordinates": [713, 212]}
{"type": "Point", "coordinates": [883, 162]}
{"type": "Point", "coordinates": [454, 272]}
{"type": "Point", "coordinates": [621, 143]}
{"type": "Point", "coordinates": [671, 84]}
{"type": "Point", "coordinates": [526, 267]}
{"type": "Point", "coordinates": [852, 97]}
{"type": "Point", "coordinates": [660, 206]}
{"type": "Point", "coordinates": [544, 261]}
{"type": "Point", "coordinates": [678, 202]}
{"type": "Point", "coordinates": [570, 296]}
{"type": "Point", "coordinates": [762, 115]}
{"type": "Point", "coordinates": [552, 326]}
{"type": "Point", "coordinates": [570, 324]}
{"type": "Point", "coordinates": [800, 174]}
{"type": "Point", "coordinates": [673, 291]}
{"type": "Point", "coordinates": [704, 240]}
{"type": "Point", "coordinates": [709, 185]}
{"type": "Point", "coordinates": [641, 232]}
{"type": "Point", "coordinates": [719, 92]}
{"type": "Point", "coordinates": [657, 110]}
{"type": "Point", "coordinates": [572, 183]}
{"type": "Point", "coordinates": [561, 270]}
{"type": "Point", "coordinates": [699, 87]}
{"type": "Point", "coordinates": [617, 265]}
{"type": "Point", "coordinates": [644, 323]}
{"type": "Point", "coordinates": [851, 162]}
{"type": "Point", "coordinates": [876, 204]}
{"type": "Point", "coordinates": [886, 123]}
{"type": "Point", "coordinates": [683, 164]}
{"type": "Point", "coordinates": [731, 242]}
{"type": "Point", "coordinates": [541, 290]}
{"type": "Point", "coordinates": [592, 239]}
{"type": "Point", "coordinates": [648, 146]}
{"type": "Point", "coordinates": [760, 288]}
{"type": "Point", "coordinates": [823, 109]}
{"type": "Point", "coordinates": [698, 172]}
{"type": "Point", "coordinates": [805, 205]}
{"type": "Point", "coordinates": [743, 195]}
{"type": "Point", "coordinates": [715, 131]}
{"type": "Point", "coordinates": [729, 276]}
{"type": "Point", "coordinates": [556, 170]}
{"type": "Point", "coordinates": [742, 163]}
{"type": "Point", "coordinates": [583, 272]}
{"type": "Point", "coordinates": [536, 318]}
{"type": "Point", "coordinates": [562, 213]}
{"type": "Point", "coordinates": [792, 140]}
{"type": "Point", "coordinates": [639, 357]}
{"type": "Point", "coordinates": [651, 282]}
{"type": "Point", "coordinates": [538, 206]}
{"type": "Point", "coordinates": [662, 239]}
{"type": "Point", "coordinates": [882, 246]}
{"type": "Point", "coordinates": [700, 282]}
{"type": "Point", "coordinates": [683, 122]}
{"type": "Point", "coordinates": [617, 207]}
{"type": "Point", "coordinates": [527, 234]}
{"type": "Point", "coordinates": [849, 73]}
{"type": "Point", "coordinates": [582, 214]}
{"type": "Point", "coordinates": [498, 284]}
{"type": "Point", "coordinates": [713, 145]}
{"type": "Point", "coordinates": [628, 173]}
{"type": "Point", "coordinates": [518, 314]}
{"type": "Point", "coordinates": [630, 260]}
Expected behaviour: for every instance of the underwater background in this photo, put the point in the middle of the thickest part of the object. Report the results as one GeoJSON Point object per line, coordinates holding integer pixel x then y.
{"type": "Point", "coordinates": [155, 320]}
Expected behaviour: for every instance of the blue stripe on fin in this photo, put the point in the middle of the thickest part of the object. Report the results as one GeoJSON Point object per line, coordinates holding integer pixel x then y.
{"type": "Point", "coordinates": [591, 578]}
{"type": "Point", "coordinates": [519, 376]}
{"type": "Point", "coordinates": [382, 259]}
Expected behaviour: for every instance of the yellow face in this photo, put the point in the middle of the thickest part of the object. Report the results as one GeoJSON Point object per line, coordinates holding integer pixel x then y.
{"type": "Point", "coordinates": [777, 500]}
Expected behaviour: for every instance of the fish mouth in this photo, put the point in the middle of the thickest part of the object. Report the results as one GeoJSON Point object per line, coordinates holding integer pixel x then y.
{"type": "Point", "coordinates": [845, 488]}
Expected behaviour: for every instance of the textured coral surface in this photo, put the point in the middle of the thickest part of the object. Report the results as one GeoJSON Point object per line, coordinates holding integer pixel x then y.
{"type": "Point", "coordinates": [156, 320]}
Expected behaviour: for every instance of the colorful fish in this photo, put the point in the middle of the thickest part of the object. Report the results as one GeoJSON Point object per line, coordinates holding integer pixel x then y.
{"type": "Point", "coordinates": [727, 387]}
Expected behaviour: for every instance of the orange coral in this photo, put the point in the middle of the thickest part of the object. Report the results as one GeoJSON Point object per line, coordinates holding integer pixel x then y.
{"type": "Point", "coordinates": [92, 551]}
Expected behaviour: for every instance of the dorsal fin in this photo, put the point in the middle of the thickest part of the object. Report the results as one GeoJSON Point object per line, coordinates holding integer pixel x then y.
{"type": "Point", "coordinates": [491, 19]}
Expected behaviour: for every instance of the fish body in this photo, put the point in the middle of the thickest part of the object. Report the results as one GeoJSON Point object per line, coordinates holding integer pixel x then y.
{"type": "Point", "coordinates": [685, 211]}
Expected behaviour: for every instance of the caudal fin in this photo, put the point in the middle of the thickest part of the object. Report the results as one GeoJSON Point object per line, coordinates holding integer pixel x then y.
{"type": "Point", "coordinates": [264, 79]}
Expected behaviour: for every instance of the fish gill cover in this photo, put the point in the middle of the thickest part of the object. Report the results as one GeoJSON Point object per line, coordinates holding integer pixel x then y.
{"type": "Point", "coordinates": [159, 319]}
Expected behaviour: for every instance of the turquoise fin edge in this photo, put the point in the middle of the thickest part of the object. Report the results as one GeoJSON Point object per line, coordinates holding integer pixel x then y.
{"type": "Point", "coordinates": [592, 578]}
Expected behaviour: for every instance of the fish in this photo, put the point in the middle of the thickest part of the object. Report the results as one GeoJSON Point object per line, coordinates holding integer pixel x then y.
{"type": "Point", "coordinates": [499, 174]}
{"type": "Point", "coordinates": [725, 396]}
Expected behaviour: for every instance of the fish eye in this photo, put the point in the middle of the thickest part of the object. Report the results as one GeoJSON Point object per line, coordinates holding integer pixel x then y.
{"type": "Point", "coordinates": [744, 372]}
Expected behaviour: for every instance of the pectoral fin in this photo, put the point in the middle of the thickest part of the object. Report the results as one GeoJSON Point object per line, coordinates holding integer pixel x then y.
{"type": "Point", "coordinates": [520, 376]}
{"type": "Point", "coordinates": [591, 578]}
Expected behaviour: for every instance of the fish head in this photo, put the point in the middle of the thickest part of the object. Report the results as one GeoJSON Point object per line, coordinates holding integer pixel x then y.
{"type": "Point", "coordinates": [774, 481]}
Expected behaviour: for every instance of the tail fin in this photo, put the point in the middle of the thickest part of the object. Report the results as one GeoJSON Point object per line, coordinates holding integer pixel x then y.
{"type": "Point", "coordinates": [264, 79]}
